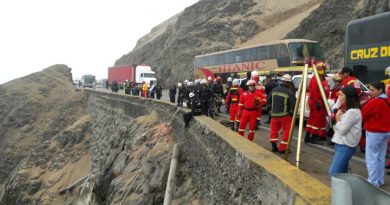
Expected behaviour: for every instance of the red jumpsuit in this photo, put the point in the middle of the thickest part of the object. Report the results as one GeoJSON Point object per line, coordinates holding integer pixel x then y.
{"type": "Point", "coordinates": [261, 89]}
{"type": "Point", "coordinates": [316, 124]}
{"type": "Point", "coordinates": [233, 98]}
{"type": "Point", "coordinates": [250, 103]}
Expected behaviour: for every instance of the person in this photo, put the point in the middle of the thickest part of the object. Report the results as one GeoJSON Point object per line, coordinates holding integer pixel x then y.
{"type": "Point", "coordinates": [107, 84]}
{"type": "Point", "coordinates": [158, 91]}
{"type": "Point", "coordinates": [244, 82]}
{"type": "Point", "coordinates": [249, 104]}
{"type": "Point", "coordinates": [229, 84]}
{"type": "Point", "coordinates": [270, 83]}
{"type": "Point", "coordinates": [152, 90]}
{"type": "Point", "coordinates": [205, 95]}
{"type": "Point", "coordinates": [260, 88]}
{"type": "Point", "coordinates": [376, 117]}
{"type": "Point", "coordinates": [172, 93]}
{"type": "Point", "coordinates": [144, 89]}
{"type": "Point", "coordinates": [350, 79]}
{"type": "Point", "coordinates": [316, 123]}
{"type": "Point", "coordinates": [196, 108]}
{"type": "Point", "coordinates": [336, 88]}
{"type": "Point", "coordinates": [180, 95]}
{"type": "Point", "coordinates": [281, 102]}
{"type": "Point", "coordinates": [114, 86]}
{"type": "Point", "coordinates": [231, 101]}
{"type": "Point", "coordinates": [347, 130]}
{"type": "Point", "coordinates": [217, 90]}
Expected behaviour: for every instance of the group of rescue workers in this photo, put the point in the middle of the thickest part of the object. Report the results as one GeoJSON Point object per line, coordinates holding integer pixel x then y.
{"type": "Point", "coordinates": [245, 101]}
{"type": "Point", "coordinates": [132, 88]}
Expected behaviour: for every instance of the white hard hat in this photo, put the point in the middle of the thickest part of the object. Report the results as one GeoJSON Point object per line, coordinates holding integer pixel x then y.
{"type": "Point", "coordinates": [190, 83]}
{"type": "Point", "coordinates": [179, 85]}
{"type": "Point", "coordinates": [185, 81]}
{"type": "Point", "coordinates": [387, 71]}
{"type": "Point", "coordinates": [229, 79]}
{"type": "Point", "coordinates": [286, 78]}
{"type": "Point", "coordinates": [191, 94]}
{"type": "Point", "coordinates": [197, 81]}
{"type": "Point", "coordinates": [236, 82]}
{"type": "Point", "coordinates": [209, 78]}
{"type": "Point", "coordinates": [204, 81]}
{"type": "Point", "coordinates": [254, 73]}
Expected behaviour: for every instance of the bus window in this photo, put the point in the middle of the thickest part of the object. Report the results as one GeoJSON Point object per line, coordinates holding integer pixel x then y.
{"type": "Point", "coordinates": [251, 54]}
{"type": "Point", "coordinates": [220, 59]}
{"type": "Point", "coordinates": [229, 58]}
{"type": "Point", "coordinates": [197, 62]}
{"type": "Point", "coordinates": [299, 51]}
{"type": "Point", "coordinates": [262, 53]}
{"type": "Point", "coordinates": [211, 60]}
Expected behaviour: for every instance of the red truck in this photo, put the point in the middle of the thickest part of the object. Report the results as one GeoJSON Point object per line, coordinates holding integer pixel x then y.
{"type": "Point", "coordinates": [134, 73]}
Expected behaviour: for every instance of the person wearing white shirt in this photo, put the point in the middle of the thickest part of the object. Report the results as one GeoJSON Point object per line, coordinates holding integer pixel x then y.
{"type": "Point", "coordinates": [347, 130]}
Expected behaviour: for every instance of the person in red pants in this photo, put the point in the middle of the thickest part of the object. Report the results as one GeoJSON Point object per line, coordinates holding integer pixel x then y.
{"type": "Point", "coordinates": [259, 88]}
{"type": "Point", "coordinates": [281, 102]}
{"type": "Point", "coordinates": [232, 100]}
{"type": "Point", "coordinates": [316, 126]}
{"type": "Point", "coordinates": [250, 102]}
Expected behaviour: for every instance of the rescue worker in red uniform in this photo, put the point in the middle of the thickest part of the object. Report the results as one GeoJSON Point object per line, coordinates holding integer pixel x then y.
{"type": "Point", "coordinates": [334, 95]}
{"type": "Point", "coordinates": [316, 123]}
{"type": "Point", "coordinates": [232, 100]}
{"type": "Point", "coordinates": [349, 79]}
{"type": "Point", "coordinates": [281, 102]}
{"type": "Point", "coordinates": [259, 88]}
{"type": "Point", "coordinates": [250, 103]}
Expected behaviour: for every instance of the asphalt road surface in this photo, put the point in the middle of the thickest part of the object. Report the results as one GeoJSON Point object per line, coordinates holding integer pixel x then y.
{"type": "Point", "coordinates": [314, 159]}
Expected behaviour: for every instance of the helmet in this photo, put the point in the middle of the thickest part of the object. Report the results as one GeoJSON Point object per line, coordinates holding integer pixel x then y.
{"type": "Point", "coordinates": [191, 94]}
{"type": "Point", "coordinates": [236, 82]}
{"type": "Point", "coordinates": [251, 82]}
{"type": "Point", "coordinates": [185, 82]}
{"type": "Point", "coordinates": [203, 81]}
{"type": "Point", "coordinates": [219, 79]}
{"type": "Point", "coordinates": [190, 83]}
{"type": "Point", "coordinates": [209, 78]}
{"type": "Point", "coordinates": [229, 79]}
{"type": "Point", "coordinates": [286, 78]}
{"type": "Point", "coordinates": [387, 71]}
{"type": "Point", "coordinates": [254, 73]}
{"type": "Point", "coordinates": [179, 85]}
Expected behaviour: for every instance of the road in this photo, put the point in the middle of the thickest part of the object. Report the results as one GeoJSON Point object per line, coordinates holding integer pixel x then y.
{"type": "Point", "coordinates": [314, 159]}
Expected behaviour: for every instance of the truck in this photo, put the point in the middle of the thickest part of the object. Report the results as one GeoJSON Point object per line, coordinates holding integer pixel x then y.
{"type": "Point", "coordinates": [133, 73]}
{"type": "Point", "coordinates": [88, 81]}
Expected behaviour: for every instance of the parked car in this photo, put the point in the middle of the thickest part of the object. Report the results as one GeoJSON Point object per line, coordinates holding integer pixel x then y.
{"type": "Point", "coordinates": [297, 80]}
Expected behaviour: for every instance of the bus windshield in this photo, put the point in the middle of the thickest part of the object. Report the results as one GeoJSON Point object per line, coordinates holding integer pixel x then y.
{"type": "Point", "coordinates": [89, 79]}
{"type": "Point", "coordinates": [299, 51]}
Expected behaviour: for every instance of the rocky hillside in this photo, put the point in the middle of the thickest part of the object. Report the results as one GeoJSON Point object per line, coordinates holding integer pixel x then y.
{"type": "Point", "coordinates": [44, 137]}
{"type": "Point", "coordinates": [49, 142]}
{"type": "Point", "coordinates": [215, 25]}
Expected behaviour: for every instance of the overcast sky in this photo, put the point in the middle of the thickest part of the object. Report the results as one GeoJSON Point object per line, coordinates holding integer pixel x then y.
{"type": "Point", "coordinates": [86, 35]}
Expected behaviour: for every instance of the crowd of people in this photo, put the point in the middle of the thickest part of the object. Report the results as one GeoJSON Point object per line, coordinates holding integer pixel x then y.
{"type": "Point", "coordinates": [153, 90]}
{"type": "Point", "coordinates": [356, 120]}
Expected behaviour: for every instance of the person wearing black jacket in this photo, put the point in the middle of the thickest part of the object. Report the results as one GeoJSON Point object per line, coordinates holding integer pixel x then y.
{"type": "Point", "coordinates": [158, 89]}
{"type": "Point", "coordinates": [172, 93]}
{"type": "Point", "coordinates": [269, 85]}
{"type": "Point", "coordinates": [243, 82]}
{"type": "Point", "coordinates": [281, 102]}
{"type": "Point", "coordinates": [196, 108]}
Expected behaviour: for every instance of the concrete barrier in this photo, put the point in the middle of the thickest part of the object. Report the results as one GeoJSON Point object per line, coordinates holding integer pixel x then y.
{"type": "Point", "coordinates": [227, 168]}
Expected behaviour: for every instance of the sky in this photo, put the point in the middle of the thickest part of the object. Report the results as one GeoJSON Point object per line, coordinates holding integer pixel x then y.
{"type": "Point", "coordinates": [86, 35]}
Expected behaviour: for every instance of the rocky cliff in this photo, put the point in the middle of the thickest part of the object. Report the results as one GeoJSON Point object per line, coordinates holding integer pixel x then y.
{"type": "Point", "coordinates": [53, 152]}
{"type": "Point", "coordinates": [215, 25]}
